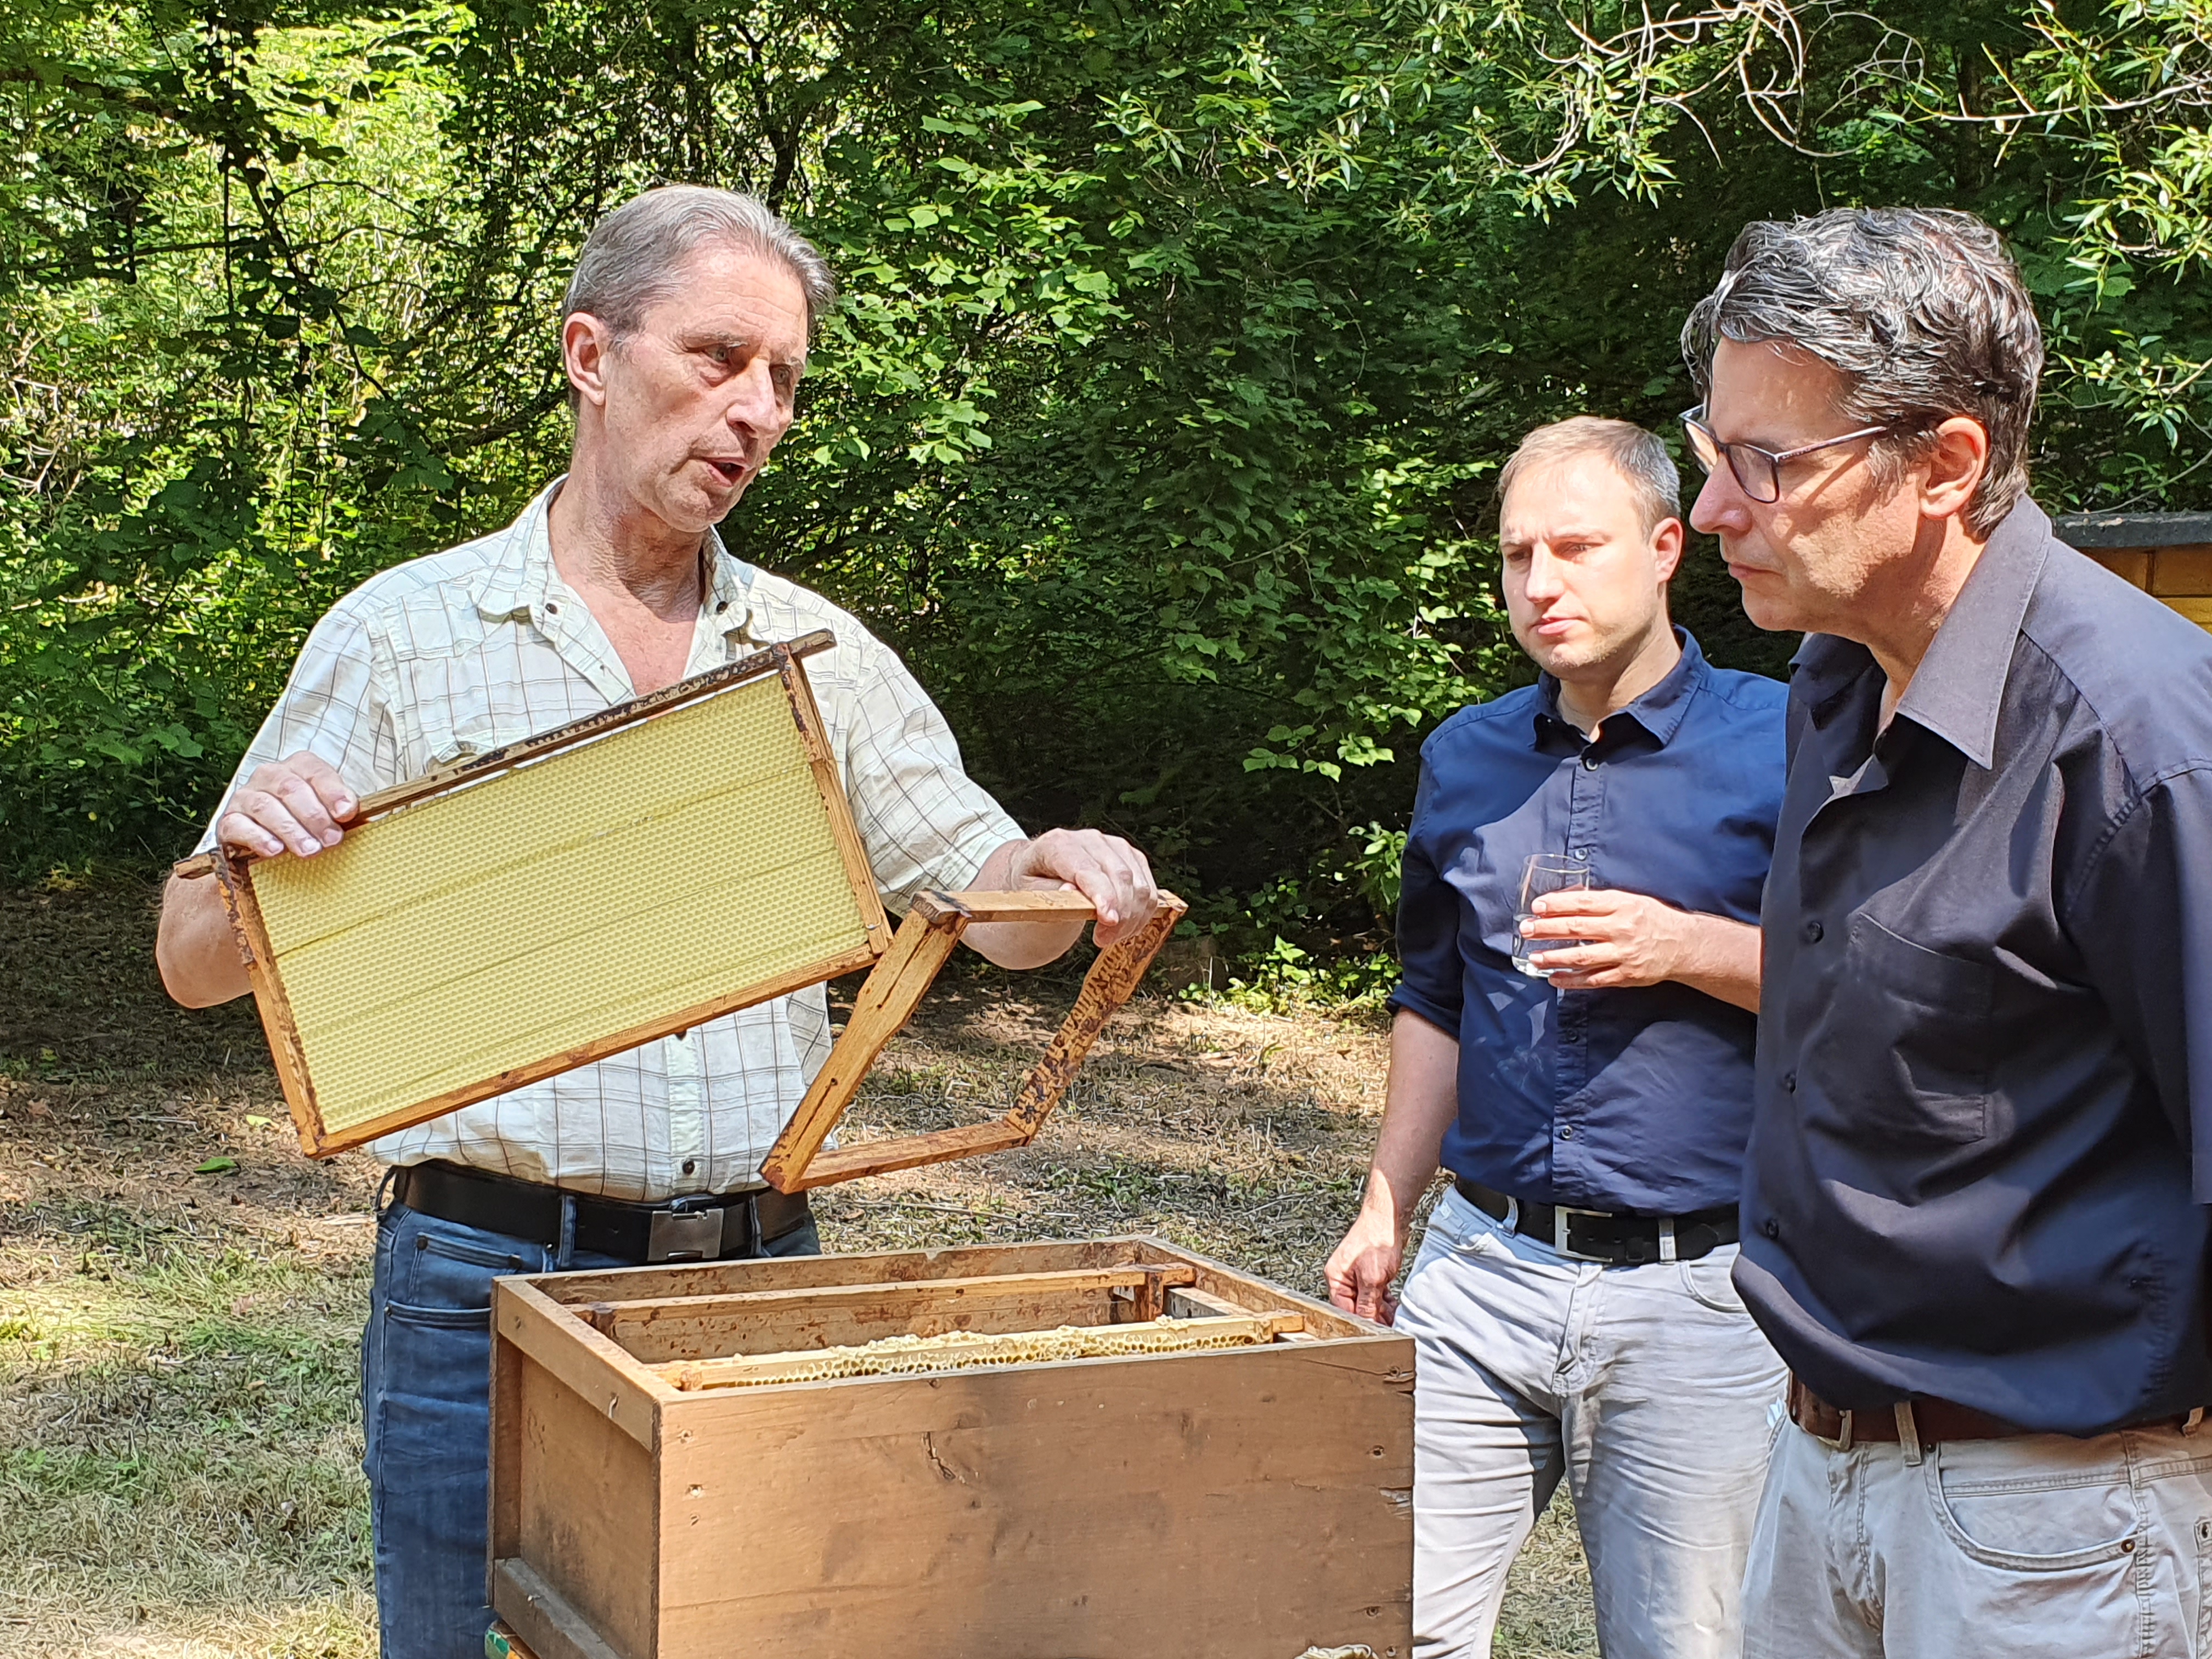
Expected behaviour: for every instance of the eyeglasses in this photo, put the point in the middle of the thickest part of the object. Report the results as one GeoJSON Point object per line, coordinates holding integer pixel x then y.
{"type": "Point", "coordinates": [1757, 470]}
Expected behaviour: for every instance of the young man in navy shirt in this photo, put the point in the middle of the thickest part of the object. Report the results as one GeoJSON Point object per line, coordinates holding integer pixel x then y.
{"type": "Point", "coordinates": [1571, 1302]}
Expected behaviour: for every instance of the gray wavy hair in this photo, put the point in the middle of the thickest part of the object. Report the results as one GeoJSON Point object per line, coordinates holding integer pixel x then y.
{"type": "Point", "coordinates": [1921, 311]}
{"type": "Point", "coordinates": [635, 257]}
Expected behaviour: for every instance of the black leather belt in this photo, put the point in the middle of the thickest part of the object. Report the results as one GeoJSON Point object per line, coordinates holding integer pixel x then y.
{"type": "Point", "coordinates": [707, 1228]}
{"type": "Point", "coordinates": [1619, 1241]}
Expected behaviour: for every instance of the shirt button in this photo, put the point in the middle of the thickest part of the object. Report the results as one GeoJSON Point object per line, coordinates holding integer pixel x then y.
{"type": "Point", "coordinates": [1590, 760]}
{"type": "Point", "coordinates": [1789, 1082]}
{"type": "Point", "coordinates": [1813, 932]}
{"type": "Point", "coordinates": [690, 1166]}
{"type": "Point", "coordinates": [1770, 1227]}
{"type": "Point", "coordinates": [1566, 1132]}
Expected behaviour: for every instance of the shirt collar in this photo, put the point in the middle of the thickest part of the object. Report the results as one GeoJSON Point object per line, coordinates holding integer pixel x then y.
{"type": "Point", "coordinates": [1958, 690]}
{"type": "Point", "coordinates": [517, 582]}
{"type": "Point", "coordinates": [1658, 711]}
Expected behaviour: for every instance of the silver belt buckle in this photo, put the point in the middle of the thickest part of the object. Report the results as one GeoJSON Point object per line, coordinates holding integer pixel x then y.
{"type": "Point", "coordinates": [683, 1235]}
{"type": "Point", "coordinates": [1559, 1214]}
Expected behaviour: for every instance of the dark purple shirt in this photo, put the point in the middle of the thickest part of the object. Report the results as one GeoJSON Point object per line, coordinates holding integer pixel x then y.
{"type": "Point", "coordinates": [1984, 1089]}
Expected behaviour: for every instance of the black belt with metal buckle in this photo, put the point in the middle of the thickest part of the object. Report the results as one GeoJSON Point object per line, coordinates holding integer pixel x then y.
{"type": "Point", "coordinates": [1619, 1241]}
{"type": "Point", "coordinates": [712, 1227]}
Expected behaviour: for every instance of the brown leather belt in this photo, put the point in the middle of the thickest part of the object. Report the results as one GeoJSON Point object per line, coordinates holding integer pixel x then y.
{"type": "Point", "coordinates": [719, 1226]}
{"type": "Point", "coordinates": [1931, 1420]}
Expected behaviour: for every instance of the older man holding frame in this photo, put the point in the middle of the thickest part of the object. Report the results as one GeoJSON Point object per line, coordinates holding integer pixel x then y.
{"type": "Point", "coordinates": [685, 333]}
{"type": "Point", "coordinates": [1974, 1220]}
{"type": "Point", "coordinates": [1572, 1303]}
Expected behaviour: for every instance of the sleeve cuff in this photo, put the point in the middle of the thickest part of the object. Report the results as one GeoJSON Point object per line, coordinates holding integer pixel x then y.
{"type": "Point", "coordinates": [1414, 1001]}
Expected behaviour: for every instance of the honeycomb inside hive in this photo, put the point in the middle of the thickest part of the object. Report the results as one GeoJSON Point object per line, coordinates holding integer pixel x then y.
{"type": "Point", "coordinates": [952, 1350]}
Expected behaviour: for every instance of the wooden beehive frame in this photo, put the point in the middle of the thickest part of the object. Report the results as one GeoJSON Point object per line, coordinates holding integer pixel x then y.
{"type": "Point", "coordinates": [905, 964]}
{"type": "Point", "coordinates": [924, 942]}
{"type": "Point", "coordinates": [621, 1458]}
{"type": "Point", "coordinates": [859, 948]}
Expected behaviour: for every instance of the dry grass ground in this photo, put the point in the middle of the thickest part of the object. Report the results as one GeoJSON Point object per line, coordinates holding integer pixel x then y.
{"type": "Point", "coordinates": [181, 1292]}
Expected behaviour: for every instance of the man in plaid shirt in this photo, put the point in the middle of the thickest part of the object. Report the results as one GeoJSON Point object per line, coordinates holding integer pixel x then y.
{"type": "Point", "coordinates": [686, 333]}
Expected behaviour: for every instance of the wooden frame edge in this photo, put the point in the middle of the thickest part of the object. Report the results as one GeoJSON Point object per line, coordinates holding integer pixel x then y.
{"type": "Point", "coordinates": [542, 1616]}
{"type": "Point", "coordinates": [776, 659]}
{"type": "Point", "coordinates": [235, 878]}
{"type": "Point", "coordinates": [923, 943]}
{"type": "Point", "coordinates": [859, 875]}
{"type": "Point", "coordinates": [599, 1371]}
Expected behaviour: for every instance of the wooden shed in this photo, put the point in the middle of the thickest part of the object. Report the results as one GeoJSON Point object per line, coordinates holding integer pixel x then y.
{"type": "Point", "coordinates": [2168, 555]}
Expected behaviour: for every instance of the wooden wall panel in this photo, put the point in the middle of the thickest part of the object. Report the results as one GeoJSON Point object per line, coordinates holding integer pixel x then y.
{"type": "Point", "coordinates": [2181, 572]}
{"type": "Point", "coordinates": [2130, 564]}
{"type": "Point", "coordinates": [586, 1511]}
{"type": "Point", "coordinates": [1241, 1505]}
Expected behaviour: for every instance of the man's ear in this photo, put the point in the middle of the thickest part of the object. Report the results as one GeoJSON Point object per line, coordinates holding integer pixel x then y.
{"type": "Point", "coordinates": [586, 343]}
{"type": "Point", "coordinates": [1957, 463]}
{"type": "Point", "coordinates": [1667, 548]}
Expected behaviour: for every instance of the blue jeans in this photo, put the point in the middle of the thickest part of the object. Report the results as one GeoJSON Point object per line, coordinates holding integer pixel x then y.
{"type": "Point", "coordinates": [426, 1413]}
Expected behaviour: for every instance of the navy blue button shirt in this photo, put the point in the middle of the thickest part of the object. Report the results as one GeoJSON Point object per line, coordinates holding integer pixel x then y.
{"type": "Point", "coordinates": [1983, 1136]}
{"type": "Point", "coordinates": [1636, 1100]}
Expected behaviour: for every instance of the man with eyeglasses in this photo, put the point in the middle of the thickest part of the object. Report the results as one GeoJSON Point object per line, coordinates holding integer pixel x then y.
{"type": "Point", "coordinates": [1973, 1216]}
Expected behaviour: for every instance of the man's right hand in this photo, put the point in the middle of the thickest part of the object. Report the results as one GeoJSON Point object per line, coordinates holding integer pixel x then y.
{"type": "Point", "coordinates": [1361, 1269]}
{"type": "Point", "coordinates": [296, 805]}
{"type": "Point", "coordinates": [299, 806]}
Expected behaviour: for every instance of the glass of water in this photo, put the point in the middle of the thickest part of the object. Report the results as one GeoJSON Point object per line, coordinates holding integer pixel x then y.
{"type": "Point", "coordinates": [1545, 873]}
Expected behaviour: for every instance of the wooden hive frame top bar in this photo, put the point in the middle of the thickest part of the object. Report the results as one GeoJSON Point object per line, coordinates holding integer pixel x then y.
{"type": "Point", "coordinates": [591, 888]}
{"type": "Point", "coordinates": [681, 1329]}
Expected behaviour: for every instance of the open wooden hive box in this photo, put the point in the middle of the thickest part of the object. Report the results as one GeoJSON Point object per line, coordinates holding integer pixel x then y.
{"type": "Point", "coordinates": [707, 1461]}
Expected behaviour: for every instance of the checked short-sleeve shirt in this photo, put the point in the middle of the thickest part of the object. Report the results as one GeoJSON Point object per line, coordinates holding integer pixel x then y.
{"type": "Point", "coordinates": [449, 656]}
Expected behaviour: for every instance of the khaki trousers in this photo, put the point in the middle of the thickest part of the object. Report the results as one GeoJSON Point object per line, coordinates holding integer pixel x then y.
{"type": "Point", "coordinates": [1648, 1388]}
{"type": "Point", "coordinates": [2039, 1547]}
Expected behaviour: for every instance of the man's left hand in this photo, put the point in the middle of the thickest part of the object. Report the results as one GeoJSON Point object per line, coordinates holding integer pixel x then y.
{"type": "Point", "coordinates": [1623, 938]}
{"type": "Point", "coordinates": [1112, 875]}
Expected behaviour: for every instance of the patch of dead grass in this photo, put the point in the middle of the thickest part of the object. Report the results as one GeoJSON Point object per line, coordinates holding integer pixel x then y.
{"type": "Point", "coordinates": [179, 1435]}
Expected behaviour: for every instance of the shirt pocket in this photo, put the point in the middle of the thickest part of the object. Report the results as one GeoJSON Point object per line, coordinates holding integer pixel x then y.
{"type": "Point", "coordinates": [449, 715]}
{"type": "Point", "coordinates": [1906, 1050]}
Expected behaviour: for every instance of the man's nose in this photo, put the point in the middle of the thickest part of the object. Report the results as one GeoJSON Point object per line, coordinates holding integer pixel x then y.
{"type": "Point", "coordinates": [1544, 581]}
{"type": "Point", "coordinates": [754, 405]}
{"type": "Point", "coordinates": [1721, 505]}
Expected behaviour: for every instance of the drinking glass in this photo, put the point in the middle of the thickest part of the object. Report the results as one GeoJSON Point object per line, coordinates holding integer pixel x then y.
{"type": "Point", "coordinates": [1545, 873]}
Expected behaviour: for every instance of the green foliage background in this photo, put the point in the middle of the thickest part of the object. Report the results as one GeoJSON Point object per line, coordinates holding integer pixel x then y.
{"type": "Point", "coordinates": [1182, 341]}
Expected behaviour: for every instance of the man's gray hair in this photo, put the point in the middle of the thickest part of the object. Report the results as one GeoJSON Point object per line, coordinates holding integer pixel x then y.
{"type": "Point", "coordinates": [634, 258]}
{"type": "Point", "coordinates": [1638, 456]}
{"type": "Point", "coordinates": [1921, 311]}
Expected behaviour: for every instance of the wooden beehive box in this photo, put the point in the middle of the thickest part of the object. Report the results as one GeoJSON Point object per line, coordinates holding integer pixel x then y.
{"type": "Point", "coordinates": [653, 1499]}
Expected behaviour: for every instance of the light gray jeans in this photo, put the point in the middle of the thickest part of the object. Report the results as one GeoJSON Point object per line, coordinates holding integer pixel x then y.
{"type": "Point", "coordinates": [1648, 1388]}
{"type": "Point", "coordinates": [2042, 1547]}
